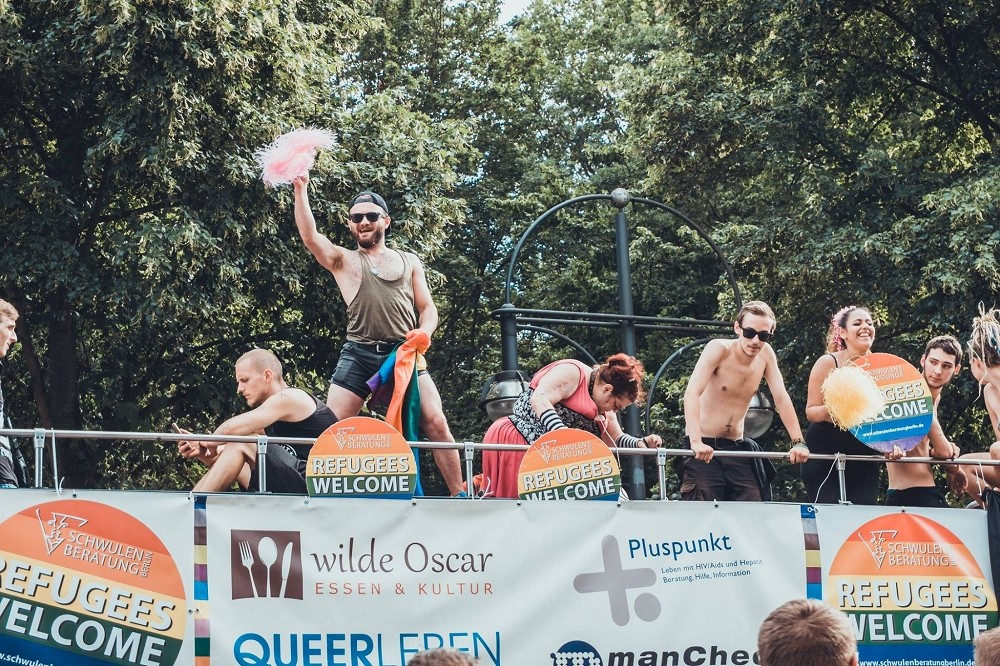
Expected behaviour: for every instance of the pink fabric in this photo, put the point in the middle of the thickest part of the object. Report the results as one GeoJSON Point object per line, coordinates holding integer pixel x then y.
{"type": "Point", "coordinates": [581, 401]}
{"type": "Point", "coordinates": [500, 467]}
{"type": "Point", "coordinates": [291, 155]}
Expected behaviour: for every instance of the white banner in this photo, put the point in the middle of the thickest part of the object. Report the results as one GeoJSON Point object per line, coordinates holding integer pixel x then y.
{"type": "Point", "coordinates": [255, 580]}
{"type": "Point", "coordinates": [374, 582]}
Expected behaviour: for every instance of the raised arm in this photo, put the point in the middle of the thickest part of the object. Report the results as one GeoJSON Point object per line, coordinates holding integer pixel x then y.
{"type": "Point", "coordinates": [786, 410]}
{"type": "Point", "coordinates": [329, 255]}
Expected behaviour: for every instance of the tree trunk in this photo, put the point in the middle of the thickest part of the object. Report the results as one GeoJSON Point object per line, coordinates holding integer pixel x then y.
{"type": "Point", "coordinates": [77, 460]}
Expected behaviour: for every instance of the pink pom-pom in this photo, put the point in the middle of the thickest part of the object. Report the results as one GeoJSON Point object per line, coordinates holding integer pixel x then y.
{"type": "Point", "coordinates": [291, 155]}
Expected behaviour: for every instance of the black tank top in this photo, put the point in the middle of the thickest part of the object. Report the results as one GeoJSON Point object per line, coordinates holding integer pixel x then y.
{"type": "Point", "coordinates": [311, 426]}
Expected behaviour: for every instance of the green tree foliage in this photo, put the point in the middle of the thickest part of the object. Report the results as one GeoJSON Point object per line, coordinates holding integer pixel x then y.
{"type": "Point", "coordinates": [543, 111]}
{"type": "Point", "coordinates": [838, 152]}
{"type": "Point", "coordinates": [141, 247]}
{"type": "Point", "coordinates": [842, 152]}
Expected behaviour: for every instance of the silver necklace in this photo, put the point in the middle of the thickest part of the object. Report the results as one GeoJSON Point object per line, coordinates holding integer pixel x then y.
{"type": "Point", "coordinates": [375, 270]}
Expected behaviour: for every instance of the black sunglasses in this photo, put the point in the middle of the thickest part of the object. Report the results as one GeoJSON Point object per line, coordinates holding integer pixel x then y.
{"type": "Point", "coordinates": [750, 334]}
{"type": "Point", "coordinates": [370, 216]}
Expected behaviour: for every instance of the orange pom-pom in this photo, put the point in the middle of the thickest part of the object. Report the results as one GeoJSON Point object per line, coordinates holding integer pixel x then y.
{"type": "Point", "coordinates": [851, 396]}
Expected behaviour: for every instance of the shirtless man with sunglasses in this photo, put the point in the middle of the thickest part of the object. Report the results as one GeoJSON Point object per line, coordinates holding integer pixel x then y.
{"type": "Point", "coordinates": [387, 297]}
{"type": "Point", "coordinates": [716, 401]}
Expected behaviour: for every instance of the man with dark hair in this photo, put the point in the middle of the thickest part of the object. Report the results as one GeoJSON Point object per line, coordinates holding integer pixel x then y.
{"type": "Point", "coordinates": [387, 299]}
{"type": "Point", "coordinates": [8, 336]}
{"type": "Point", "coordinates": [807, 632]}
{"type": "Point", "coordinates": [718, 395]}
{"type": "Point", "coordinates": [912, 484]}
{"type": "Point", "coordinates": [278, 410]}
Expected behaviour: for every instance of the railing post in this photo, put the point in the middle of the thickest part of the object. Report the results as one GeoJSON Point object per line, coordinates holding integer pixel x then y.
{"type": "Point", "coordinates": [661, 472]}
{"type": "Point", "coordinates": [262, 463]}
{"type": "Point", "coordinates": [842, 477]}
{"type": "Point", "coordinates": [470, 451]}
{"type": "Point", "coordinates": [39, 455]}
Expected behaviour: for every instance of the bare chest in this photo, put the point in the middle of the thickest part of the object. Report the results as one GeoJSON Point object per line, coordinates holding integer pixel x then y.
{"type": "Point", "coordinates": [736, 383]}
{"type": "Point", "coordinates": [387, 265]}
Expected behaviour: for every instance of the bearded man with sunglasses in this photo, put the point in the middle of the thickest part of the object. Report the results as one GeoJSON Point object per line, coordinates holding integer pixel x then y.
{"type": "Point", "coordinates": [716, 401]}
{"type": "Point", "coordinates": [387, 296]}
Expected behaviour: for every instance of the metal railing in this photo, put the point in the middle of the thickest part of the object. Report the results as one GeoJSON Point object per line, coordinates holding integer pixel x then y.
{"type": "Point", "coordinates": [40, 435]}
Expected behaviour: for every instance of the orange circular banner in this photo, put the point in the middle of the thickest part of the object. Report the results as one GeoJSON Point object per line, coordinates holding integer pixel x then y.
{"type": "Point", "coordinates": [361, 457]}
{"type": "Point", "coordinates": [913, 590]}
{"type": "Point", "coordinates": [568, 464]}
{"type": "Point", "coordinates": [909, 408]}
{"type": "Point", "coordinates": [86, 583]}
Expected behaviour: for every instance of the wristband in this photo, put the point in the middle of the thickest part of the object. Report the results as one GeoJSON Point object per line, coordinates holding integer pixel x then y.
{"type": "Point", "coordinates": [626, 441]}
{"type": "Point", "coordinates": [550, 420]}
{"type": "Point", "coordinates": [800, 445]}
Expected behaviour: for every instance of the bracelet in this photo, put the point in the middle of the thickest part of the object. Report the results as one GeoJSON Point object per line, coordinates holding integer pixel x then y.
{"type": "Point", "coordinates": [550, 420]}
{"type": "Point", "coordinates": [626, 441]}
{"type": "Point", "coordinates": [800, 445]}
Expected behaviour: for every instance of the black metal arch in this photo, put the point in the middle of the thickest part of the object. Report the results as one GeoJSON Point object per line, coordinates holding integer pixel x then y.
{"type": "Point", "coordinates": [512, 318]}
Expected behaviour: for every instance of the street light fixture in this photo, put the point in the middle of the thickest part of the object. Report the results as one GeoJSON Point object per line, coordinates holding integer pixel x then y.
{"type": "Point", "coordinates": [500, 393]}
{"type": "Point", "coordinates": [759, 416]}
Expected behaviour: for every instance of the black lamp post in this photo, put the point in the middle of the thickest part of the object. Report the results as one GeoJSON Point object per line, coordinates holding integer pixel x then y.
{"type": "Point", "coordinates": [500, 391]}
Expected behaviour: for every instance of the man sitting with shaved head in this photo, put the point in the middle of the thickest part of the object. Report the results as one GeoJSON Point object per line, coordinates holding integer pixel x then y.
{"type": "Point", "coordinates": [277, 410]}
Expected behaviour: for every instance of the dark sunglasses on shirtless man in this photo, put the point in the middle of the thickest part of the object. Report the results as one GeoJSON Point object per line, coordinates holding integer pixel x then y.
{"type": "Point", "coordinates": [750, 334]}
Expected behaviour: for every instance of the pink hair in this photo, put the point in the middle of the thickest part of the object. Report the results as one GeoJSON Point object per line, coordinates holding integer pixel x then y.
{"type": "Point", "coordinates": [834, 342]}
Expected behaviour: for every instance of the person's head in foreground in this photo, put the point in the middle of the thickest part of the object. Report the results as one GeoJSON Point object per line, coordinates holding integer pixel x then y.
{"type": "Point", "coordinates": [807, 632]}
{"type": "Point", "coordinates": [442, 657]}
{"type": "Point", "coordinates": [987, 645]}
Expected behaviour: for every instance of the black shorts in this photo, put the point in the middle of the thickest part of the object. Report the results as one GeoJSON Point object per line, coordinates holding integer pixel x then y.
{"type": "Point", "coordinates": [358, 363]}
{"type": "Point", "coordinates": [724, 478]}
{"type": "Point", "coordinates": [927, 496]}
{"type": "Point", "coordinates": [286, 472]}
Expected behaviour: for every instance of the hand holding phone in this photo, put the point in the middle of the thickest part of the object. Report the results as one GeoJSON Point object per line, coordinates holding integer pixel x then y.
{"type": "Point", "coordinates": [184, 447]}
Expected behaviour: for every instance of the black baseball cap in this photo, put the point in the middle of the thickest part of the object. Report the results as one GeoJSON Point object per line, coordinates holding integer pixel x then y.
{"type": "Point", "coordinates": [369, 197]}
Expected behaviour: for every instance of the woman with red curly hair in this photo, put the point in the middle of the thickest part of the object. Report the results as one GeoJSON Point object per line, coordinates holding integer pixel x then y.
{"type": "Point", "coordinates": [565, 394]}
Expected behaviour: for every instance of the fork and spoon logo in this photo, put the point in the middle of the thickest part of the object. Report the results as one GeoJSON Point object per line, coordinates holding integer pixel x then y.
{"type": "Point", "coordinates": [265, 555]}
